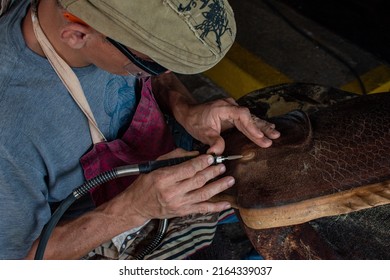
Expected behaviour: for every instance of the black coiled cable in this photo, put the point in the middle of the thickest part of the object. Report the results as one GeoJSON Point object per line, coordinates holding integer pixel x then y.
{"type": "Point", "coordinates": [162, 228]}
{"type": "Point", "coordinates": [94, 182]}
{"type": "Point", "coordinates": [104, 178]}
{"type": "Point", "coordinates": [66, 203]}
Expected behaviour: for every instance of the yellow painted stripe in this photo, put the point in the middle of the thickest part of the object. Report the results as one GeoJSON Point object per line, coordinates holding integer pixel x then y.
{"type": "Point", "coordinates": [383, 88]}
{"type": "Point", "coordinates": [241, 72]}
{"type": "Point", "coordinates": [376, 80]}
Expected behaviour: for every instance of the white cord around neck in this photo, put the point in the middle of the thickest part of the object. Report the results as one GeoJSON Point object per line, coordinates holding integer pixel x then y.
{"type": "Point", "coordinates": [67, 76]}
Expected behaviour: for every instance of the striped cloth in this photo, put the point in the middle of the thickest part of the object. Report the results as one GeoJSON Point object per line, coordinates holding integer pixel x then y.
{"type": "Point", "coordinates": [184, 237]}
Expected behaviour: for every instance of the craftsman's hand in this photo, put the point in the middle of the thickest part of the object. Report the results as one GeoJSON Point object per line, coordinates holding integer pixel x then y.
{"type": "Point", "coordinates": [205, 122]}
{"type": "Point", "coordinates": [178, 190]}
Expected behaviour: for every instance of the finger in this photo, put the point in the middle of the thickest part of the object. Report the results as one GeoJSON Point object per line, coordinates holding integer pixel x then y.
{"type": "Point", "coordinates": [205, 193]}
{"type": "Point", "coordinates": [231, 100]}
{"type": "Point", "coordinates": [252, 133]}
{"type": "Point", "coordinates": [216, 143]}
{"type": "Point", "coordinates": [178, 153]}
{"type": "Point", "coordinates": [202, 178]}
{"type": "Point", "coordinates": [257, 130]}
{"type": "Point", "coordinates": [184, 170]}
{"type": "Point", "coordinates": [266, 127]}
{"type": "Point", "coordinates": [208, 207]}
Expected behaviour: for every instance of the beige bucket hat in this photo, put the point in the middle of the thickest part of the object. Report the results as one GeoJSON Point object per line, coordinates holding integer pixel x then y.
{"type": "Point", "coordinates": [185, 36]}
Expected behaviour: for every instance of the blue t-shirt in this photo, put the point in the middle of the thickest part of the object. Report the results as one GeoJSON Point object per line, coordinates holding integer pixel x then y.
{"type": "Point", "coordinates": [44, 133]}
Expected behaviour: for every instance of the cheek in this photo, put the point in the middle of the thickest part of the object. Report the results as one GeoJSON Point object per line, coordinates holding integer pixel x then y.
{"type": "Point", "coordinates": [108, 58]}
{"type": "Point", "coordinates": [110, 63]}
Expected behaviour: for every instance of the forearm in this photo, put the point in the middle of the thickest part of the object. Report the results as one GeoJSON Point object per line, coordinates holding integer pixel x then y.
{"type": "Point", "coordinates": [165, 193]}
{"type": "Point", "coordinates": [172, 96]}
{"type": "Point", "coordinates": [75, 238]}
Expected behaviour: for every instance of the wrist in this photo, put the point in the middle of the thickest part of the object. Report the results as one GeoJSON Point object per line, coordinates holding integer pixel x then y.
{"type": "Point", "coordinates": [122, 213]}
{"type": "Point", "coordinates": [172, 95]}
{"type": "Point", "coordinates": [181, 107]}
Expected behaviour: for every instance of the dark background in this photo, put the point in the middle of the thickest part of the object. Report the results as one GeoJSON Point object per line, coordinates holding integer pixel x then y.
{"type": "Point", "coordinates": [366, 23]}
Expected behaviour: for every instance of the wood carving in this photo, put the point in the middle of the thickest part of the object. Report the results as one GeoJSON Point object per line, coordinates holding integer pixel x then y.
{"type": "Point", "coordinates": [330, 161]}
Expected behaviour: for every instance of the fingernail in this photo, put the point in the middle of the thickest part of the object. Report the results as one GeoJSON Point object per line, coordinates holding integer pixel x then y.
{"type": "Point", "coordinates": [267, 141]}
{"type": "Point", "coordinates": [231, 182]}
{"type": "Point", "coordinates": [210, 160]}
{"type": "Point", "coordinates": [222, 169]}
{"type": "Point", "coordinates": [227, 206]}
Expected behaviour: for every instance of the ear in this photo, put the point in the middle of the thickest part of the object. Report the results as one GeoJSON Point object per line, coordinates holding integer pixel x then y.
{"type": "Point", "coordinates": [75, 35]}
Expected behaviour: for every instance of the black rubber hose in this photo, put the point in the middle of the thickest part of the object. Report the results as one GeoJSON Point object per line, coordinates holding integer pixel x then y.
{"type": "Point", "coordinates": [95, 182]}
{"type": "Point", "coordinates": [66, 203]}
{"type": "Point", "coordinates": [162, 229]}
{"type": "Point", "coordinates": [318, 44]}
{"type": "Point", "coordinates": [48, 228]}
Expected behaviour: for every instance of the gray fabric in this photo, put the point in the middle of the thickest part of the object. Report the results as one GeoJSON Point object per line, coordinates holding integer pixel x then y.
{"type": "Point", "coordinates": [44, 133]}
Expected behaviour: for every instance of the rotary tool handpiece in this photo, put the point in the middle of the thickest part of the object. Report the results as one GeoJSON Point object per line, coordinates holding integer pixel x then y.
{"type": "Point", "coordinates": [153, 165]}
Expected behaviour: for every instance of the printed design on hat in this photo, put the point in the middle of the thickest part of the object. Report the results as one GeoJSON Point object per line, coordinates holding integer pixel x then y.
{"type": "Point", "coordinates": [215, 18]}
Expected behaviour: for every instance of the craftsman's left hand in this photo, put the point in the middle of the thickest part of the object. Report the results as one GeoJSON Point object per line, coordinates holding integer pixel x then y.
{"type": "Point", "coordinates": [205, 122]}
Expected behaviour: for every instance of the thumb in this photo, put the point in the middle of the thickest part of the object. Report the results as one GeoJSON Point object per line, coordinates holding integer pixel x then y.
{"type": "Point", "coordinates": [217, 145]}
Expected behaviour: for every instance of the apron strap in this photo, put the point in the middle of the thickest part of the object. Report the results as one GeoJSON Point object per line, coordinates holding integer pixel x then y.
{"type": "Point", "coordinates": [4, 4]}
{"type": "Point", "coordinates": [67, 76]}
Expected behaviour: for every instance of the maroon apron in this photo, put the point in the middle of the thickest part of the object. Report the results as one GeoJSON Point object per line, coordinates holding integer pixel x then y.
{"type": "Point", "coordinates": [146, 138]}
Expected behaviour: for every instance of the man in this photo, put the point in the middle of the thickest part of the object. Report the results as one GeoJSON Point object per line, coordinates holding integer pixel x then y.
{"type": "Point", "coordinates": [45, 133]}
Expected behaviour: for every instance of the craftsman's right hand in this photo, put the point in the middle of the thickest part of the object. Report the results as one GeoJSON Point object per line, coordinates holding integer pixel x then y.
{"type": "Point", "coordinates": [178, 190]}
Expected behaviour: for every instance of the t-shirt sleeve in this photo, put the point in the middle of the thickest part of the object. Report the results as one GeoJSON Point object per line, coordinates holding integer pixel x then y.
{"type": "Point", "coordinates": [23, 209]}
